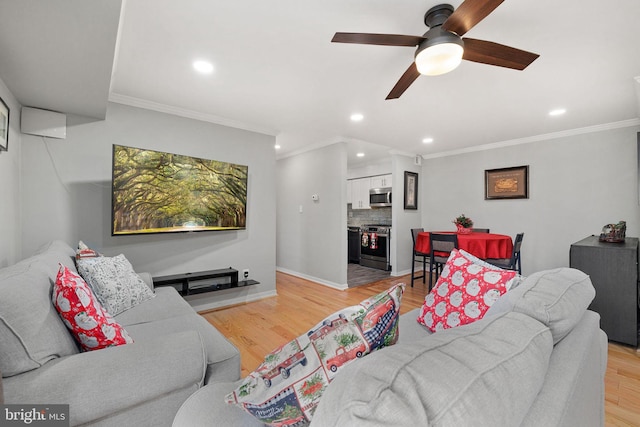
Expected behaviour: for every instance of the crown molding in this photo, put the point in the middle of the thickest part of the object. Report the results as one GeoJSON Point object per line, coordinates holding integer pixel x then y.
{"type": "Point", "coordinates": [190, 114]}
{"type": "Point", "coordinates": [537, 138]}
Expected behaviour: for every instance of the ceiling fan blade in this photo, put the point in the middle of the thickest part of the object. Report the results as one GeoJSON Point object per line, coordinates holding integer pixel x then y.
{"type": "Point", "coordinates": [468, 14]}
{"type": "Point", "coordinates": [377, 39]}
{"type": "Point", "coordinates": [497, 54]}
{"type": "Point", "coordinates": [405, 81]}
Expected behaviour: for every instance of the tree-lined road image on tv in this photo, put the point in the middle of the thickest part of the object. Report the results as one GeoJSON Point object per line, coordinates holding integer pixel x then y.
{"type": "Point", "coordinates": [157, 192]}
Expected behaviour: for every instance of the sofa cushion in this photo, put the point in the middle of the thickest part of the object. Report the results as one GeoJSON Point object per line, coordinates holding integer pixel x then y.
{"type": "Point", "coordinates": [114, 282]}
{"type": "Point", "coordinates": [286, 388]}
{"type": "Point", "coordinates": [464, 292]}
{"type": "Point", "coordinates": [165, 305]}
{"type": "Point", "coordinates": [466, 376]}
{"type": "Point", "coordinates": [206, 407]}
{"type": "Point", "coordinates": [91, 326]}
{"type": "Point", "coordinates": [222, 357]}
{"type": "Point", "coordinates": [31, 332]}
{"type": "Point", "coordinates": [409, 330]}
{"type": "Point", "coordinates": [558, 298]}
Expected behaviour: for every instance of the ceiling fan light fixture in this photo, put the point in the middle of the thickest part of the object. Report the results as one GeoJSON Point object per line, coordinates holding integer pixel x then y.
{"type": "Point", "coordinates": [439, 55]}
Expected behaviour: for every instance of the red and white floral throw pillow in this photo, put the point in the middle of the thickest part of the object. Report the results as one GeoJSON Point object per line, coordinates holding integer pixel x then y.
{"type": "Point", "coordinates": [81, 312]}
{"type": "Point", "coordinates": [464, 292]}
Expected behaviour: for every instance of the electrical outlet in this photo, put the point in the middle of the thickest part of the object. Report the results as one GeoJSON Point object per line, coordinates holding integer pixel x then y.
{"type": "Point", "coordinates": [245, 273]}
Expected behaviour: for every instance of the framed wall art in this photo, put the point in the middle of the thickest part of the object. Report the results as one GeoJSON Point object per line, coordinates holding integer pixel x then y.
{"type": "Point", "coordinates": [506, 183]}
{"type": "Point", "coordinates": [410, 190]}
{"type": "Point", "coordinates": [4, 126]}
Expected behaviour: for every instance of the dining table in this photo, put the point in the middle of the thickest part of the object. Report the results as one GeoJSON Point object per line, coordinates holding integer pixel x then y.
{"type": "Point", "coordinates": [482, 245]}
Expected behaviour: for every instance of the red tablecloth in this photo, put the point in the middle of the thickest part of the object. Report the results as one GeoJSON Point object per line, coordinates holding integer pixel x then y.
{"type": "Point", "coordinates": [482, 245]}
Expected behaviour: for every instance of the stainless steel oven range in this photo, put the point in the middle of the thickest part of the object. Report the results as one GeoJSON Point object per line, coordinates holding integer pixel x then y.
{"type": "Point", "coordinates": [374, 246]}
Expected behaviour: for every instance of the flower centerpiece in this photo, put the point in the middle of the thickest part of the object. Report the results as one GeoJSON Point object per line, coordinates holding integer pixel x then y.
{"type": "Point", "coordinates": [463, 224]}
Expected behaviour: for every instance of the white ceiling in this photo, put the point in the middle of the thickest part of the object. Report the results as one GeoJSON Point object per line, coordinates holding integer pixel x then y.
{"type": "Point", "coordinates": [58, 55]}
{"type": "Point", "coordinates": [277, 72]}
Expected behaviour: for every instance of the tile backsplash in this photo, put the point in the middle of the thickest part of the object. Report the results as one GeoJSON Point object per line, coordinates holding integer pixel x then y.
{"type": "Point", "coordinates": [358, 217]}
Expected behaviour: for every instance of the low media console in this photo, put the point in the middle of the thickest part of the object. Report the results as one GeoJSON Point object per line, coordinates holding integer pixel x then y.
{"type": "Point", "coordinates": [202, 281]}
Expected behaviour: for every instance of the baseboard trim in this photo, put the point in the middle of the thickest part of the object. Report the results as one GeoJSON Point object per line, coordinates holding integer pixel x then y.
{"type": "Point", "coordinates": [314, 279]}
{"type": "Point", "coordinates": [402, 273]}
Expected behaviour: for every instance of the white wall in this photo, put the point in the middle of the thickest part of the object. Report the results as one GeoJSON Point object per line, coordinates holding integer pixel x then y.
{"type": "Point", "coordinates": [10, 246]}
{"type": "Point", "coordinates": [577, 184]}
{"type": "Point", "coordinates": [313, 243]}
{"type": "Point", "coordinates": [370, 168]}
{"type": "Point", "coordinates": [66, 187]}
{"type": "Point", "coordinates": [404, 220]}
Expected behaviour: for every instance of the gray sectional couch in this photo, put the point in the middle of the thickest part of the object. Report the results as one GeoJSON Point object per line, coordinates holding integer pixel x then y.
{"type": "Point", "coordinates": [537, 358]}
{"type": "Point", "coordinates": [175, 351]}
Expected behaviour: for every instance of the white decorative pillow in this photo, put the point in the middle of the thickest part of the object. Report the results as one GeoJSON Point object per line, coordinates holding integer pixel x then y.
{"type": "Point", "coordinates": [115, 284]}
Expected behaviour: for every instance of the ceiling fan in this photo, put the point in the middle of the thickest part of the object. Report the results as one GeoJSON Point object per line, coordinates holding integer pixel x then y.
{"type": "Point", "coordinates": [442, 48]}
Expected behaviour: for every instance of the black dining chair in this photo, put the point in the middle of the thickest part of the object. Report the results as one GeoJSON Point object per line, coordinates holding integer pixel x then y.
{"type": "Point", "coordinates": [418, 257]}
{"type": "Point", "coordinates": [480, 230]}
{"type": "Point", "coordinates": [512, 263]}
{"type": "Point", "coordinates": [441, 246]}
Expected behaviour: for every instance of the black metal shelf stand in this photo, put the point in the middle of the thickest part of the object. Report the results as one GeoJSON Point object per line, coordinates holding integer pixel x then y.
{"type": "Point", "coordinates": [186, 280]}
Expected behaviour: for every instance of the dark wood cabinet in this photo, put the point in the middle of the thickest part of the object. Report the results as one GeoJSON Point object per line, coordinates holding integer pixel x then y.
{"type": "Point", "coordinates": [613, 268]}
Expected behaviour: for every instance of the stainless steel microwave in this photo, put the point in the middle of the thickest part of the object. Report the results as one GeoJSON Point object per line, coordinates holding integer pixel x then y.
{"type": "Point", "coordinates": [380, 197]}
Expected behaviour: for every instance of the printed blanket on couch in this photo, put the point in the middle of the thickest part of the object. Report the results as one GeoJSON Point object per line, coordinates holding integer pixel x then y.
{"type": "Point", "coordinates": [286, 388]}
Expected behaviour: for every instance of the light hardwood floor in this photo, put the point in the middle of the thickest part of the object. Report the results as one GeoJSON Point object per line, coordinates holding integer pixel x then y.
{"type": "Point", "coordinates": [256, 328]}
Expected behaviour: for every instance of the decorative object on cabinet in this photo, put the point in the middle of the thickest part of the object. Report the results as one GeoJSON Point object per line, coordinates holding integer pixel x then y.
{"type": "Point", "coordinates": [463, 224]}
{"type": "Point", "coordinates": [614, 233]}
{"type": "Point", "coordinates": [4, 126]}
{"type": "Point", "coordinates": [613, 270]}
{"type": "Point", "coordinates": [410, 190]}
{"type": "Point", "coordinates": [506, 183]}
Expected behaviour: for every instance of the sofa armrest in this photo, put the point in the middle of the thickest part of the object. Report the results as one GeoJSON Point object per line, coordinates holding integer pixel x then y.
{"type": "Point", "coordinates": [147, 279]}
{"type": "Point", "coordinates": [98, 383]}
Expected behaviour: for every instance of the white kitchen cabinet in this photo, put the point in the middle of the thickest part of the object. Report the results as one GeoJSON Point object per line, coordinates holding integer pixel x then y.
{"type": "Point", "coordinates": [349, 191]}
{"type": "Point", "coordinates": [360, 193]}
{"type": "Point", "coordinates": [381, 181]}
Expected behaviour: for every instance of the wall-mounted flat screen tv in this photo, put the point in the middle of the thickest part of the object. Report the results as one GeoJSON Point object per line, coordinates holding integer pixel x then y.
{"type": "Point", "coordinates": [157, 192]}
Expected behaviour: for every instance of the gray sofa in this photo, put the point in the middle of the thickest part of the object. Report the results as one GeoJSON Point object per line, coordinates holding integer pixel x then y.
{"type": "Point", "coordinates": [537, 358]}
{"type": "Point", "coordinates": [175, 351]}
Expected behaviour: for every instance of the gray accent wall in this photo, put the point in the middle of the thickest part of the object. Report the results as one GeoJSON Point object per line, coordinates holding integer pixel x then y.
{"type": "Point", "coordinates": [577, 184]}
{"type": "Point", "coordinates": [66, 194]}
{"type": "Point", "coordinates": [313, 243]}
{"type": "Point", "coordinates": [10, 219]}
{"type": "Point", "coordinates": [404, 220]}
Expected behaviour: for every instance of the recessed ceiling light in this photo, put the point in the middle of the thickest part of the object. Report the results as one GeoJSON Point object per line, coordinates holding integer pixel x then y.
{"type": "Point", "coordinates": [557, 112]}
{"type": "Point", "coordinates": [360, 154]}
{"type": "Point", "coordinates": [203, 67]}
{"type": "Point", "coordinates": [356, 117]}
{"type": "Point", "coordinates": [277, 147]}
{"type": "Point", "coordinates": [427, 140]}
